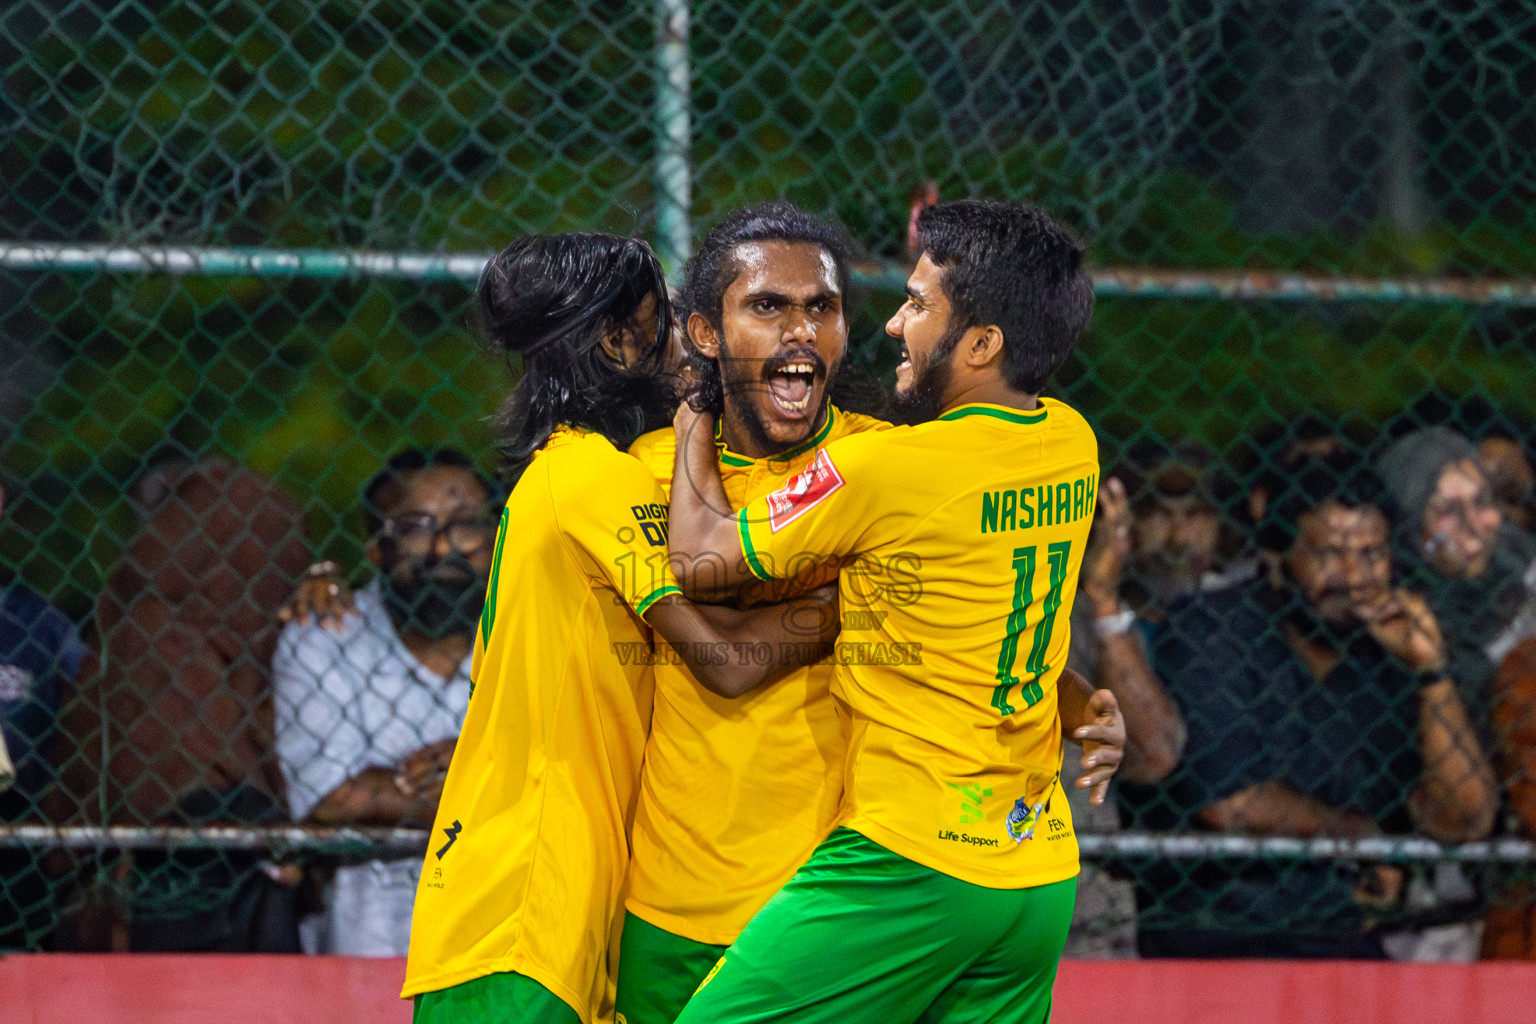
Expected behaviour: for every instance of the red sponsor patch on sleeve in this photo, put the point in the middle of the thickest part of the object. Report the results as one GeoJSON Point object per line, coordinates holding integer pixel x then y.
{"type": "Point", "coordinates": [807, 490]}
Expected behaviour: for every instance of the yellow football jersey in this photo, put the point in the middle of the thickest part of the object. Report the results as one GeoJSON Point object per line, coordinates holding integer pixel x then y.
{"type": "Point", "coordinates": [735, 794]}
{"type": "Point", "coordinates": [526, 868]}
{"type": "Point", "coordinates": [960, 541]}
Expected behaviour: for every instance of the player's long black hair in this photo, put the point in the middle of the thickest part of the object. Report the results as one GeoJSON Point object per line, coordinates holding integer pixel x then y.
{"type": "Point", "coordinates": [550, 299]}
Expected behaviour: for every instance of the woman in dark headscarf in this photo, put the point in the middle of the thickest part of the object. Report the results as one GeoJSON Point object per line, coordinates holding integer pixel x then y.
{"type": "Point", "coordinates": [1477, 571]}
{"type": "Point", "coordinates": [1475, 566]}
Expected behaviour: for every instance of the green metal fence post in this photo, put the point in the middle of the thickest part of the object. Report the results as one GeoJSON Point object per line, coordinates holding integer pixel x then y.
{"type": "Point", "coordinates": [673, 135]}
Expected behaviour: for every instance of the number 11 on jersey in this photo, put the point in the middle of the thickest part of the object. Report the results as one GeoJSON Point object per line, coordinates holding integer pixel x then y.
{"type": "Point", "coordinates": [1056, 556]}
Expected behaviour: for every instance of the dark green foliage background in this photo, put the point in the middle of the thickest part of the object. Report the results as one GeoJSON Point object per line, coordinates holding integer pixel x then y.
{"type": "Point", "coordinates": [453, 126]}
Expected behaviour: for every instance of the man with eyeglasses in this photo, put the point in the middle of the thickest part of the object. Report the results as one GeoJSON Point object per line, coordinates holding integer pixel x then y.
{"type": "Point", "coordinates": [1320, 703]}
{"type": "Point", "coordinates": [368, 712]}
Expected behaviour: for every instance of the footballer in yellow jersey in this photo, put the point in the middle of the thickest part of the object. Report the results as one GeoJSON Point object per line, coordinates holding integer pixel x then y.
{"type": "Point", "coordinates": [948, 888]}
{"type": "Point", "coordinates": [735, 794]}
{"type": "Point", "coordinates": [516, 908]}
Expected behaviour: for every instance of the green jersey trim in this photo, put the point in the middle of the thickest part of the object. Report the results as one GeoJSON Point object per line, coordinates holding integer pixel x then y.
{"type": "Point", "coordinates": [996, 412]}
{"type": "Point", "coordinates": [816, 440]}
{"type": "Point", "coordinates": [727, 457]}
{"type": "Point", "coordinates": [655, 595]}
{"type": "Point", "coordinates": [747, 551]}
{"type": "Point", "coordinates": [730, 458]}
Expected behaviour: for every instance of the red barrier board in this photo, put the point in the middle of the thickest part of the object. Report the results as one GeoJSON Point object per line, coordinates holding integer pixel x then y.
{"type": "Point", "coordinates": [135, 989]}
{"type": "Point", "coordinates": [143, 988]}
{"type": "Point", "coordinates": [1293, 992]}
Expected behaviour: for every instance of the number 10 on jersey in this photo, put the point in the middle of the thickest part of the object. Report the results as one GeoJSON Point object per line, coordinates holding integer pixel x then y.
{"type": "Point", "coordinates": [1056, 556]}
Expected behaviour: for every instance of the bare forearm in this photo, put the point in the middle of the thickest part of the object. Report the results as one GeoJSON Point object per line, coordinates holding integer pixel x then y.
{"type": "Point", "coordinates": [372, 798]}
{"type": "Point", "coordinates": [731, 651]}
{"type": "Point", "coordinates": [706, 554]}
{"type": "Point", "coordinates": [1275, 809]}
{"type": "Point", "coordinates": [1155, 732]}
{"type": "Point", "coordinates": [1072, 694]}
{"type": "Point", "coordinates": [1456, 800]}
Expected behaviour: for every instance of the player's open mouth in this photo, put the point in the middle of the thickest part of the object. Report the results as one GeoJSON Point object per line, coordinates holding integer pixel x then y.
{"type": "Point", "coordinates": [906, 358]}
{"type": "Point", "coordinates": [791, 384]}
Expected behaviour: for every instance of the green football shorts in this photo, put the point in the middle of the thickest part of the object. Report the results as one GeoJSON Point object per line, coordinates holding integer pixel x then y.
{"type": "Point", "coordinates": [861, 934]}
{"type": "Point", "coordinates": [658, 971]}
{"type": "Point", "coordinates": [494, 999]}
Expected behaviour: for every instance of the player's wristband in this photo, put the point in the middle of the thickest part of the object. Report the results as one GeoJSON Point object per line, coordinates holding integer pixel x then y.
{"type": "Point", "coordinates": [1117, 624]}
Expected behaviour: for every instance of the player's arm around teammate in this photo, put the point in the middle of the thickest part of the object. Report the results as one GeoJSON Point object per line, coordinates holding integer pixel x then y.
{"type": "Point", "coordinates": [947, 892]}
{"type": "Point", "coordinates": [521, 884]}
{"type": "Point", "coordinates": [1092, 718]}
{"type": "Point", "coordinates": [736, 794]}
{"type": "Point", "coordinates": [707, 637]}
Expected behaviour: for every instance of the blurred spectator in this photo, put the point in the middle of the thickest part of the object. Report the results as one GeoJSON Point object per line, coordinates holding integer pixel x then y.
{"type": "Point", "coordinates": [172, 724]}
{"type": "Point", "coordinates": [40, 652]}
{"type": "Point", "coordinates": [926, 194]}
{"type": "Point", "coordinates": [1318, 703]}
{"type": "Point", "coordinates": [1476, 568]}
{"type": "Point", "coordinates": [1181, 542]}
{"type": "Point", "coordinates": [1107, 649]}
{"type": "Point", "coordinates": [1510, 475]}
{"type": "Point", "coordinates": [1509, 932]}
{"type": "Point", "coordinates": [1159, 535]}
{"type": "Point", "coordinates": [1277, 449]}
{"type": "Point", "coordinates": [367, 714]}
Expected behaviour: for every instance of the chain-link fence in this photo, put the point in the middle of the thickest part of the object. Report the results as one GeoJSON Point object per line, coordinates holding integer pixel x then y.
{"type": "Point", "coordinates": [236, 245]}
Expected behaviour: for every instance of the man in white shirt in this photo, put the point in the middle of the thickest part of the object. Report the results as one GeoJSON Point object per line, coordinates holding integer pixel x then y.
{"type": "Point", "coordinates": [368, 712]}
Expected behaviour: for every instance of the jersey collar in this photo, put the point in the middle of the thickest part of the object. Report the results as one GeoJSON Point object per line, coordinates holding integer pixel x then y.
{"type": "Point", "coordinates": [997, 412]}
{"type": "Point", "coordinates": [730, 458]}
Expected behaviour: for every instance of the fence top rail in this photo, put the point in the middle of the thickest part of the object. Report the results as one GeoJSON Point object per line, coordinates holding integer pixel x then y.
{"type": "Point", "coordinates": [212, 261]}
{"type": "Point", "coordinates": [389, 842]}
{"type": "Point", "coordinates": [1124, 282]}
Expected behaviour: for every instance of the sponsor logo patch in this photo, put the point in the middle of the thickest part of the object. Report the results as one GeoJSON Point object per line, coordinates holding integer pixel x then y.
{"type": "Point", "coordinates": [653, 523]}
{"type": "Point", "coordinates": [814, 484]}
{"type": "Point", "coordinates": [1025, 816]}
{"type": "Point", "coordinates": [452, 833]}
{"type": "Point", "coordinates": [1023, 819]}
{"type": "Point", "coordinates": [971, 796]}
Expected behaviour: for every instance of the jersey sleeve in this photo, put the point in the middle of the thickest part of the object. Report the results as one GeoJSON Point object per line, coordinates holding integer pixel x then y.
{"type": "Point", "coordinates": [615, 521]}
{"type": "Point", "coordinates": [824, 513]}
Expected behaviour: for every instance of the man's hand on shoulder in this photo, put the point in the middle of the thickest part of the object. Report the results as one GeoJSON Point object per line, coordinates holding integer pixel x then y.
{"type": "Point", "coordinates": [322, 596]}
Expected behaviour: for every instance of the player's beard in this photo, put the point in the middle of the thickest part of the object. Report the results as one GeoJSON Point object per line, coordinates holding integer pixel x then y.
{"type": "Point", "coordinates": [923, 400]}
{"type": "Point", "coordinates": [738, 383]}
{"type": "Point", "coordinates": [434, 597]}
